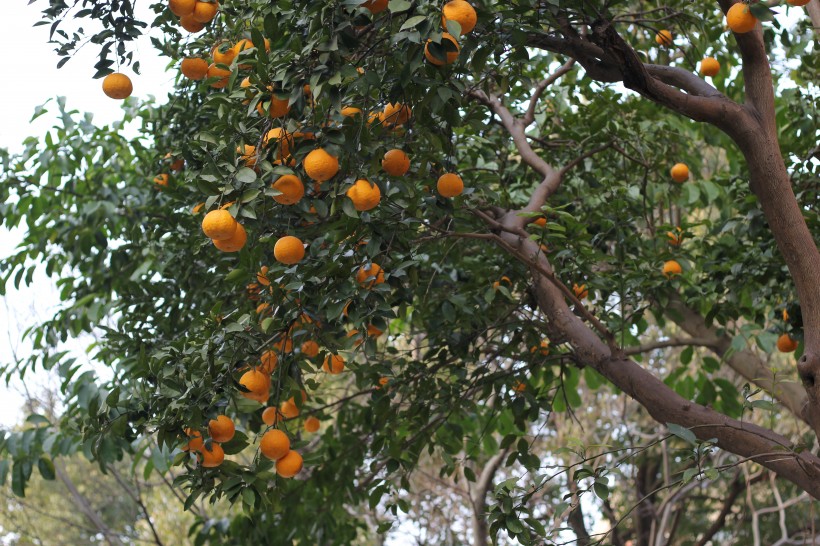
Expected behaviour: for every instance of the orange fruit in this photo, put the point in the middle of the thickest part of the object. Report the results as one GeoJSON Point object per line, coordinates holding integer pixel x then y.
{"type": "Point", "coordinates": [223, 74]}
{"type": "Point", "coordinates": [289, 409]}
{"type": "Point", "coordinates": [333, 364]}
{"type": "Point", "coordinates": [675, 237]}
{"type": "Point", "coordinates": [235, 242]}
{"type": "Point", "coordinates": [740, 18]}
{"type": "Point", "coordinates": [709, 66]}
{"type": "Point", "coordinates": [462, 13]}
{"type": "Point", "coordinates": [262, 276]}
{"type": "Point", "coordinates": [268, 362]}
{"type": "Point", "coordinates": [195, 441]}
{"type": "Point", "coordinates": [221, 54]}
{"type": "Point", "coordinates": [680, 172]}
{"type": "Point", "coordinates": [520, 387]}
{"type": "Point", "coordinates": [671, 268]}
{"type": "Point", "coordinates": [181, 8]}
{"type": "Point", "coordinates": [221, 429]}
{"type": "Point", "coordinates": [204, 12]}
{"type": "Point", "coordinates": [271, 416]}
{"type": "Point", "coordinates": [372, 331]}
{"type": "Point", "coordinates": [786, 344]}
{"type": "Point", "coordinates": [212, 458]}
{"type": "Point", "coordinates": [375, 6]}
{"type": "Point", "coordinates": [161, 180]}
{"type": "Point", "coordinates": [543, 348]}
{"type": "Point", "coordinates": [663, 38]}
{"type": "Point", "coordinates": [451, 55]}
{"type": "Point", "coordinates": [374, 272]}
{"type": "Point", "coordinates": [284, 345]}
{"type": "Point", "coordinates": [541, 222]}
{"type": "Point", "coordinates": [375, 116]}
{"type": "Point", "coordinates": [310, 348]}
{"type": "Point", "coordinates": [797, 2]}
{"type": "Point", "coordinates": [396, 114]}
{"type": "Point", "coordinates": [312, 424]}
{"type": "Point", "coordinates": [177, 165]}
{"type": "Point", "coordinates": [289, 465]}
{"type": "Point", "coordinates": [785, 315]}
{"type": "Point", "coordinates": [275, 444]}
{"type": "Point", "coordinates": [219, 225]}
{"type": "Point", "coordinates": [197, 208]}
{"type": "Point", "coordinates": [194, 68]}
{"type": "Point", "coordinates": [365, 196]}
{"type": "Point", "coordinates": [396, 163]}
{"type": "Point", "coordinates": [188, 23]}
{"type": "Point", "coordinates": [241, 46]}
{"type": "Point", "coordinates": [289, 250]}
{"type": "Point", "coordinates": [248, 154]}
{"type": "Point", "coordinates": [258, 385]}
{"type": "Point", "coordinates": [117, 86]}
{"type": "Point", "coordinates": [291, 187]}
{"type": "Point", "coordinates": [320, 165]}
{"type": "Point", "coordinates": [278, 108]}
{"type": "Point", "coordinates": [350, 111]}
{"type": "Point", "coordinates": [580, 291]}
{"type": "Point", "coordinates": [450, 185]}
{"type": "Point", "coordinates": [279, 137]}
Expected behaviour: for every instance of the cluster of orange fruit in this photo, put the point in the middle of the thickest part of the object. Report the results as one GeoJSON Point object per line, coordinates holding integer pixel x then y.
{"type": "Point", "coordinates": [220, 430]}
{"type": "Point", "coordinates": [462, 13]}
{"type": "Point", "coordinates": [671, 268]}
{"type": "Point", "coordinates": [194, 14]}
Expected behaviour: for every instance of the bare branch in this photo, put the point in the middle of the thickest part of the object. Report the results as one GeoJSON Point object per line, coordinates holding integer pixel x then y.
{"type": "Point", "coordinates": [529, 115]}
{"type": "Point", "coordinates": [675, 342]}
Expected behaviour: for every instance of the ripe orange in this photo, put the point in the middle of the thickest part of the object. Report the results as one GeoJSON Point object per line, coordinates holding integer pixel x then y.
{"type": "Point", "coordinates": [181, 8]}
{"type": "Point", "coordinates": [195, 441]}
{"type": "Point", "coordinates": [541, 222]}
{"type": "Point", "coordinates": [372, 331]}
{"type": "Point", "coordinates": [161, 180]}
{"type": "Point", "coordinates": [268, 362]}
{"type": "Point", "coordinates": [312, 424]}
{"type": "Point", "coordinates": [450, 185]}
{"type": "Point", "coordinates": [786, 344]}
{"type": "Point", "coordinates": [279, 137]}
{"type": "Point", "coordinates": [740, 18]}
{"type": "Point", "coordinates": [212, 458]}
{"type": "Point", "coordinates": [221, 429]}
{"type": "Point", "coordinates": [117, 86]}
{"type": "Point", "coordinates": [374, 272]}
{"type": "Point", "coordinates": [258, 385]}
{"type": "Point", "coordinates": [680, 173]}
{"type": "Point", "coordinates": [320, 165]}
{"type": "Point", "coordinates": [223, 53]}
{"type": "Point", "coordinates": [289, 250]}
{"type": "Point", "coordinates": [291, 187]}
{"type": "Point", "coordinates": [581, 292]}
{"type": "Point", "coordinates": [278, 108]}
{"type": "Point", "coordinates": [289, 409]}
{"type": "Point", "coordinates": [451, 55]}
{"type": "Point", "coordinates": [785, 315]}
{"type": "Point", "coordinates": [543, 348]}
{"type": "Point", "coordinates": [375, 6]}
{"type": "Point", "coordinates": [334, 364]}
{"type": "Point", "coordinates": [663, 38]}
{"type": "Point", "coordinates": [310, 348]}
{"type": "Point", "coordinates": [350, 111]}
{"type": "Point", "coordinates": [241, 46]}
{"type": "Point", "coordinates": [396, 114]}
{"type": "Point", "coordinates": [462, 13]}
{"type": "Point", "coordinates": [204, 12]}
{"type": "Point", "coordinates": [396, 162]}
{"type": "Point", "coordinates": [188, 23]}
{"type": "Point", "coordinates": [219, 225]}
{"type": "Point", "coordinates": [709, 66]}
{"type": "Point", "coordinates": [235, 242]}
{"type": "Point", "coordinates": [365, 196]}
{"type": "Point", "coordinates": [194, 68]}
{"type": "Point", "coordinates": [289, 465]}
{"type": "Point", "coordinates": [374, 117]}
{"type": "Point", "coordinates": [671, 268]}
{"type": "Point", "coordinates": [223, 74]}
{"type": "Point", "coordinates": [275, 444]}
{"type": "Point", "coordinates": [271, 416]}
{"type": "Point", "coordinates": [284, 345]}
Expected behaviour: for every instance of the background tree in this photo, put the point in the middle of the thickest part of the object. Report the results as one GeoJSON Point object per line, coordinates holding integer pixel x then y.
{"type": "Point", "coordinates": [496, 332]}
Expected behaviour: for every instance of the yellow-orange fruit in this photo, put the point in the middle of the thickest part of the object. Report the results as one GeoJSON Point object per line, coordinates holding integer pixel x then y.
{"type": "Point", "coordinates": [195, 441]}
{"type": "Point", "coordinates": [450, 185]}
{"type": "Point", "coordinates": [542, 348]}
{"type": "Point", "coordinates": [709, 66]}
{"type": "Point", "coordinates": [289, 409]}
{"type": "Point", "coordinates": [268, 362]}
{"type": "Point", "coordinates": [289, 250]}
{"type": "Point", "coordinates": [451, 55]}
{"type": "Point", "coordinates": [278, 108]}
{"type": "Point", "coordinates": [740, 18]}
{"type": "Point", "coordinates": [223, 75]}
{"type": "Point", "coordinates": [222, 54]}
{"type": "Point", "coordinates": [194, 68]}
{"type": "Point", "coordinates": [671, 268]}
{"type": "Point", "coordinates": [333, 364]}
{"type": "Point", "coordinates": [221, 429]}
{"type": "Point", "coordinates": [180, 8]}
{"type": "Point", "coordinates": [271, 416]}
{"type": "Point", "coordinates": [396, 114]}
{"type": "Point", "coordinates": [350, 111]}
{"type": "Point", "coordinates": [204, 12]}
{"type": "Point", "coordinates": [365, 196]}
{"type": "Point", "coordinates": [462, 13]}
{"type": "Point", "coordinates": [289, 465]}
{"type": "Point", "coordinates": [161, 180]}
{"type": "Point", "coordinates": [188, 23]}
{"type": "Point", "coordinates": [275, 444]}
{"type": "Point", "coordinates": [320, 165]}
{"type": "Point", "coordinates": [580, 291]}
{"type": "Point", "coordinates": [396, 162]}
{"type": "Point", "coordinates": [310, 348]}
{"type": "Point", "coordinates": [117, 86]}
{"type": "Point", "coordinates": [663, 38]}
{"type": "Point", "coordinates": [235, 242]}
{"type": "Point", "coordinates": [374, 272]}
{"type": "Point", "coordinates": [219, 225]}
{"type": "Point", "coordinates": [312, 424]}
{"type": "Point", "coordinates": [786, 344]}
{"type": "Point", "coordinates": [258, 385]}
{"type": "Point", "coordinates": [291, 187]}
{"type": "Point", "coordinates": [279, 137]}
{"type": "Point", "coordinates": [212, 458]}
{"type": "Point", "coordinates": [680, 173]}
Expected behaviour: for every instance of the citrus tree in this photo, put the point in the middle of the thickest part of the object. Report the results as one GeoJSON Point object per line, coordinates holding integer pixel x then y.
{"type": "Point", "coordinates": [366, 242]}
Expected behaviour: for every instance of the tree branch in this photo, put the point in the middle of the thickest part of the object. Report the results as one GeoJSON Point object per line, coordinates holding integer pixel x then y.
{"type": "Point", "coordinates": [529, 115]}
{"type": "Point", "coordinates": [674, 342]}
